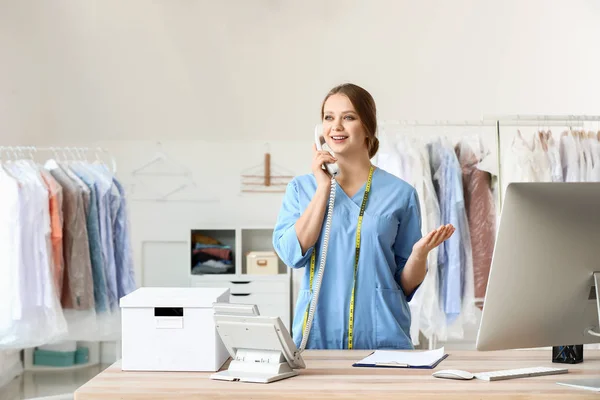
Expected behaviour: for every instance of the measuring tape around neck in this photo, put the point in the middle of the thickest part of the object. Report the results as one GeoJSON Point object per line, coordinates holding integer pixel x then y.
{"type": "Point", "coordinates": [356, 256]}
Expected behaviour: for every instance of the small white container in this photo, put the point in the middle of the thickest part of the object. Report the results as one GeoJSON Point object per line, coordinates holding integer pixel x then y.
{"type": "Point", "coordinates": [172, 329]}
{"type": "Point", "coordinates": [262, 263]}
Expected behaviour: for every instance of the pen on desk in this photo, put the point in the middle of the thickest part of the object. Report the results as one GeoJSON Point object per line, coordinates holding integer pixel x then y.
{"type": "Point", "coordinates": [391, 364]}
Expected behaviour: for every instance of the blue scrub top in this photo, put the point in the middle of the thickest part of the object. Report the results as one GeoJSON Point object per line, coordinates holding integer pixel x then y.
{"type": "Point", "coordinates": [391, 226]}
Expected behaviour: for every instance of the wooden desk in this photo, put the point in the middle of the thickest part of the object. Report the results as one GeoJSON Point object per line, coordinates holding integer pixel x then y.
{"type": "Point", "coordinates": [330, 374]}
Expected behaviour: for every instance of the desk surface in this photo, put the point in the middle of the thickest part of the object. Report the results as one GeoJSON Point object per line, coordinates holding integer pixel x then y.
{"type": "Point", "coordinates": [330, 374]}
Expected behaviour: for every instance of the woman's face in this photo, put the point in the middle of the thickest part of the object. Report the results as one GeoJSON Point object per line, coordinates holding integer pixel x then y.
{"type": "Point", "coordinates": [342, 127]}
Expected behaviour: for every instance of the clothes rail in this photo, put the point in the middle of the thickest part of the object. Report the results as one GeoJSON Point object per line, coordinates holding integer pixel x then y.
{"type": "Point", "coordinates": [496, 121]}
{"type": "Point", "coordinates": [541, 117]}
{"type": "Point", "coordinates": [69, 153]}
{"type": "Point", "coordinates": [437, 123]}
{"type": "Point", "coordinates": [539, 120]}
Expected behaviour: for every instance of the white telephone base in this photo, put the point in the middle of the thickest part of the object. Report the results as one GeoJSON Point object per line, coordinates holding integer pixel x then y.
{"type": "Point", "coordinates": [256, 367]}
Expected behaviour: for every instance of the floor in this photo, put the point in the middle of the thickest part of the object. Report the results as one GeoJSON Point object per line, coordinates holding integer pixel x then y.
{"type": "Point", "coordinates": [48, 385]}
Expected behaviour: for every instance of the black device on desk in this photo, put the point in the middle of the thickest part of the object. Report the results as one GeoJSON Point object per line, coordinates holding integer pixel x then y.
{"type": "Point", "coordinates": [545, 274]}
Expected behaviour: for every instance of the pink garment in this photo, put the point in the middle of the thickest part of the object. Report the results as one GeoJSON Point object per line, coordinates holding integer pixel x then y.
{"type": "Point", "coordinates": [481, 214]}
{"type": "Point", "coordinates": [56, 224]}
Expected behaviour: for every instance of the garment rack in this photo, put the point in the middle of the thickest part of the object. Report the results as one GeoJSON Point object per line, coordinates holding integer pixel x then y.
{"type": "Point", "coordinates": [498, 121]}
{"type": "Point", "coordinates": [69, 153]}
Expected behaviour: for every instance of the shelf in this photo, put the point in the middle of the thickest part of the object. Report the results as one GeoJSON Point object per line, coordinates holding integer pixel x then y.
{"type": "Point", "coordinates": [94, 359]}
{"type": "Point", "coordinates": [46, 368]}
{"type": "Point", "coordinates": [259, 239]}
{"type": "Point", "coordinates": [213, 258]}
{"type": "Point", "coordinates": [270, 292]}
{"type": "Point", "coordinates": [241, 241]}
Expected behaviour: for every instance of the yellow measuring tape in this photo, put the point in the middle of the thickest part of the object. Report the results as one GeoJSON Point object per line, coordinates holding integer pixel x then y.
{"type": "Point", "coordinates": [356, 255]}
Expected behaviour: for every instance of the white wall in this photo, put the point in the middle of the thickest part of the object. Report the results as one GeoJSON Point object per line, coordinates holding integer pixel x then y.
{"type": "Point", "coordinates": [258, 69]}
{"type": "Point", "coordinates": [215, 80]}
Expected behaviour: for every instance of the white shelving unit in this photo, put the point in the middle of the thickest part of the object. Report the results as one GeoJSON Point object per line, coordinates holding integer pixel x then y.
{"type": "Point", "coordinates": [271, 293]}
{"type": "Point", "coordinates": [94, 359]}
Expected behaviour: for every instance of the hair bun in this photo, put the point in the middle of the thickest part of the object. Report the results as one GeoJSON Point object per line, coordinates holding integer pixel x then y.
{"type": "Point", "coordinates": [374, 146]}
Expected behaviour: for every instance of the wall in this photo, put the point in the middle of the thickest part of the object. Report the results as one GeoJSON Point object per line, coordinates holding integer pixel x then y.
{"type": "Point", "coordinates": [258, 69]}
{"type": "Point", "coordinates": [213, 81]}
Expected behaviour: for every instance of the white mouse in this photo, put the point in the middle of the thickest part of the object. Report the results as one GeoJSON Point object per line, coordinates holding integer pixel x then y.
{"type": "Point", "coordinates": [453, 374]}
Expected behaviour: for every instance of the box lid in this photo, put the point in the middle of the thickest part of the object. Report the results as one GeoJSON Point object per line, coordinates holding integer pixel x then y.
{"type": "Point", "coordinates": [191, 297]}
{"type": "Point", "coordinates": [261, 254]}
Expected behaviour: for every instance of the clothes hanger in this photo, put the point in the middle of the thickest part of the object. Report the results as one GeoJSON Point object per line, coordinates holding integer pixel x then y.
{"type": "Point", "coordinates": [160, 157]}
{"type": "Point", "coordinates": [266, 176]}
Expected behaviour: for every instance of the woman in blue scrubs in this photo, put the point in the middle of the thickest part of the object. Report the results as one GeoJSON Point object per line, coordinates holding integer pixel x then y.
{"type": "Point", "coordinates": [392, 254]}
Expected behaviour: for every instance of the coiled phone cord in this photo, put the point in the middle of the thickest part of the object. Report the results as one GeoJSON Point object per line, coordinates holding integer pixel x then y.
{"type": "Point", "coordinates": [319, 277]}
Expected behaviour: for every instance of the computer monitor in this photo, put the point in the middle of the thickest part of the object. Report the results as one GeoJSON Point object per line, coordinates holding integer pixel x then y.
{"type": "Point", "coordinates": [541, 289]}
{"type": "Point", "coordinates": [261, 347]}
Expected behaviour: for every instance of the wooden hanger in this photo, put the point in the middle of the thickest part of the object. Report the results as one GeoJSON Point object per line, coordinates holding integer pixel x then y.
{"type": "Point", "coordinates": [273, 179]}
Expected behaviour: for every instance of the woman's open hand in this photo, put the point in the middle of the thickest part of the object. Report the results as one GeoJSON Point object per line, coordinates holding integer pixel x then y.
{"type": "Point", "coordinates": [433, 239]}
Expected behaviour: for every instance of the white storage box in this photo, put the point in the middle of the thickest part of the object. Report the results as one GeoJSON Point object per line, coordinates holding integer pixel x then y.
{"type": "Point", "coordinates": [262, 263]}
{"type": "Point", "coordinates": [172, 329]}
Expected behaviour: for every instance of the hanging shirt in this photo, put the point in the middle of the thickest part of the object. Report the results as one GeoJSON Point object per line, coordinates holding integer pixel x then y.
{"type": "Point", "coordinates": [105, 184]}
{"type": "Point", "coordinates": [543, 168]}
{"type": "Point", "coordinates": [454, 257]}
{"type": "Point", "coordinates": [10, 256]}
{"type": "Point", "coordinates": [432, 319]}
{"type": "Point", "coordinates": [595, 152]}
{"type": "Point", "coordinates": [581, 161]}
{"type": "Point", "coordinates": [426, 315]}
{"type": "Point", "coordinates": [586, 149]}
{"type": "Point", "coordinates": [78, 289]}
{"type": "Point", "coordinates": [553, 151]}
{"type": "Point", "coordinates": [391, 226]}
{"type": "Point", "coordinates": [35, 313]}
{"type": "Point", "coordinates": [123, 250]}
{"type": "Point", "coordinates": [95, 241]}
{"type": "Point", "coordinates": [532, 165]}
{"type": "Point", "coordinates": [570, 158]}
{"type": "Point", "coordinates": [56, 225]}
{"type": "Point", "coordinates": [35, 222]}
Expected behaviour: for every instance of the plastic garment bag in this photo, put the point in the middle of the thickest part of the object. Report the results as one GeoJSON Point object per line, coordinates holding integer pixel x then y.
{"type": "Point", "coordinates": [455, 262]}
{"type": "Point", "coordinates": [30, 310]}
{"type": "Point", "coordinates": [425, 305]}
{"type": "Point", "coordinates": [595, 150]}
{"type": "Point", "coordinates": [586, 148]}
{"type": "Point", "coordinates": [78, 286]}
{"type": "Point", "coordinates": [407, 159]}
{"type": "Point", "coordinates": [532, 163]}
{"type": "Point", "coordinates": [569, 157]}
{"type": "Point", "coordinates": [550, 146]}
{"type": "Point", "coordinates": [481, 214]}
{"type": "Point", "coordinates": [541, 159]}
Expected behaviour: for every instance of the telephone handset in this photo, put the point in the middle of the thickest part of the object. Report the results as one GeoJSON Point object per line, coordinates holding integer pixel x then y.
{"type": "Point", "coordinates": [332, 168]}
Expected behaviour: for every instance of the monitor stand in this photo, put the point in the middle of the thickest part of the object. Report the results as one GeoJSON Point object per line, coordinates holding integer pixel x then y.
{"type": "Point", "coordinates": [257, 366]}
{"type": "Point", "coordinates": [592, 384]}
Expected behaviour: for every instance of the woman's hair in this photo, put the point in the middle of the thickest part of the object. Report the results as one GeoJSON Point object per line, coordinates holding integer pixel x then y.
{"type": "Point", "coordinates": [365, 107]}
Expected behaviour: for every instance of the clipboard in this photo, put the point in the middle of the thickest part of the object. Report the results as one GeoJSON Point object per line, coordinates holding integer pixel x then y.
{"type": "Point", "coordinates": [403, 359]}
{"type": "Point", "coordinates": [399, 365]}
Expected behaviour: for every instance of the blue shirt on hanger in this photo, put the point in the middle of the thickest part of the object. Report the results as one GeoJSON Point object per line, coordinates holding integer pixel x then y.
{"type": "Point", "coordinates": [391, 226]}
{"type": "Point", "coordinates": [123, 250]}
{"type": "Point", "coordinates": [454, 253]}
